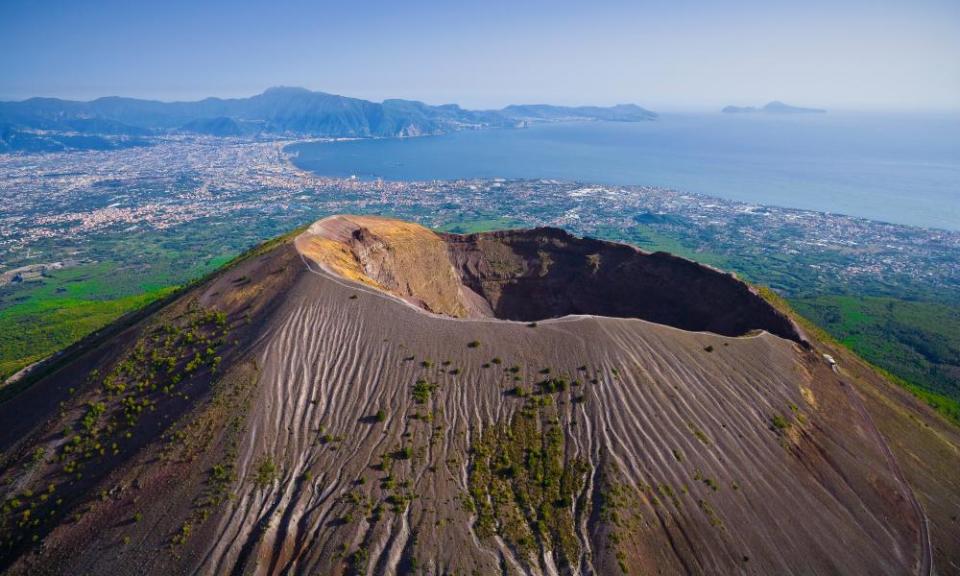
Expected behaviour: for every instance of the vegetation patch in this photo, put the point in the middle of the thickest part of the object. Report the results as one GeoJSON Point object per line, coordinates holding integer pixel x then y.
{"type": "Point", "coordinates": [223, 418]}
{"type": "Point", "coordinates": [523, 485]}
{"type": "Point", "coordinates": [35, 329]}
{"type": "Point", "coordinates": [779, 423]}
{"type": "Point", "coordinates": [926, 383]}
{"type": "Point", "coordinates": [157, 368]}
{"type": "Point", "coordinates": [422, 390]}
{"type": "Point", "coordinates": [266, 472]}
{"type": "Point", "coordinates": [918, 341]}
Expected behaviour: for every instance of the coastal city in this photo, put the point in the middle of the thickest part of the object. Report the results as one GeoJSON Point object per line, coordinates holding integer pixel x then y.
{"type": "Point", "coordinates": [53, 204]}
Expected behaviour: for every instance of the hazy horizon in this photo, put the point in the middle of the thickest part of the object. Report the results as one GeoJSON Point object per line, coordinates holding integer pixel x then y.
{"type": "Point", "coordinates": [665, 108]}
{"type": "Point", "coordinates": [855, 55]}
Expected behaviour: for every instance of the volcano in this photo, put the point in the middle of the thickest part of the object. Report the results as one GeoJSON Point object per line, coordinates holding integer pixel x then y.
{"type": "Point", "coordinates": [368, 396]}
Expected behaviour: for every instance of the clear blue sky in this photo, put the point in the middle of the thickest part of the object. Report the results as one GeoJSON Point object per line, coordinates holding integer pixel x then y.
{"type": "Point", "coordinates": [875, 54]}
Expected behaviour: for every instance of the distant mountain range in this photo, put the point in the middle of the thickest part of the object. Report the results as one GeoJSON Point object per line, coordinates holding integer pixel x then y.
{"type": "Point", "coordinates": [42, 124]}
{"type": "Point", "coordinates": [774, 107]}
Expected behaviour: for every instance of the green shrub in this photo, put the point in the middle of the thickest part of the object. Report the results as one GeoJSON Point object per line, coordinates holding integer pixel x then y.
{"type": "Point", "coordinates": [779, 422]}
{"type": "Point", "coordinates": [422, 391]}
{"type": "Point", "coordinates": [266, 472]}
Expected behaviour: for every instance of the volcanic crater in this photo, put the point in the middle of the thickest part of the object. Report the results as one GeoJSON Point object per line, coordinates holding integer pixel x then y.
{"type": "Point", "coordinates": [537, 274]}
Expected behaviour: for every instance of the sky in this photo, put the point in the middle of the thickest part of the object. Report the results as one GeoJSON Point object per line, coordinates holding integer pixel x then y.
{"type": "Point", "coordinates": [669, 54]}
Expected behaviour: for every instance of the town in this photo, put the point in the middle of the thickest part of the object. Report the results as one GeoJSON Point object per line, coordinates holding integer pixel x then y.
{"type": "Point", "coordinates": [52, 204]}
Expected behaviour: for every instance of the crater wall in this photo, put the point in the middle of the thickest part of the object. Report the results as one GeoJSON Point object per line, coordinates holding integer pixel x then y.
{"type": "Point", "coordinates": [537, 274]}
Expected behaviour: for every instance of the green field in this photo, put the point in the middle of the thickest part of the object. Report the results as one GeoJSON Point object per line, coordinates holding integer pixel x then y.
{"type": "Point", "coordinates": [32, 330]}
{"type": "Point", "coordinates": [118, 275]}
{"type": "Point", "coordinates": [483, 225]}
{"type": "Point", "coordinates": [40, 317]}
{"type": "Point", "coordinates": [918, 341]}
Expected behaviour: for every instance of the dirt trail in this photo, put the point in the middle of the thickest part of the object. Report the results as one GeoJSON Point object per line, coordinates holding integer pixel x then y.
{"type": "Point", "coordinates": [925, 563]}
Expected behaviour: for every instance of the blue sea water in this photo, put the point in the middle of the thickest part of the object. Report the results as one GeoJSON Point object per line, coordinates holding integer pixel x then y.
{"type": "Point", "coordinates": [902, 168]}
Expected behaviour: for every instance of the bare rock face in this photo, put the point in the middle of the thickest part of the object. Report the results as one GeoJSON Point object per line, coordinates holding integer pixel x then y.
{"type": "Point", "coordinates": [400, 258]}
{"type": "Point", "coordinates": [547, 273]}
{"type": "Point", "coordinates": [361, 399]}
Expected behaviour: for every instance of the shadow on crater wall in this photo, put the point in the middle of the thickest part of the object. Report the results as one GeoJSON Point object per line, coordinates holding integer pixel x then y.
{"type": "Point", "coordinates": [547, 273]}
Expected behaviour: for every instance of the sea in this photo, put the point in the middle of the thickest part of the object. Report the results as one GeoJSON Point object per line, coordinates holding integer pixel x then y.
{"type": "Point", "coordinates": [900, 168]}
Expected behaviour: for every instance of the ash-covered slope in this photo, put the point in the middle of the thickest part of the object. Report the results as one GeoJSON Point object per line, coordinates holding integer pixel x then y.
{"type": "Point", "coordinates": [301, 412]}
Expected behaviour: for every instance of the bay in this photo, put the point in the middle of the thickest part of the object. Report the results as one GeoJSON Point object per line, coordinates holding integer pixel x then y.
{"type": "Point", "coordinates": [900, 168]}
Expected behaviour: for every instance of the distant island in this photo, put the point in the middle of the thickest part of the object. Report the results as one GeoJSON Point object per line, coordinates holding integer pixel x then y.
{"type": "Point", "coordinates": [774, 107]}
{"type": "Point", "coordinates": [52, 124]}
